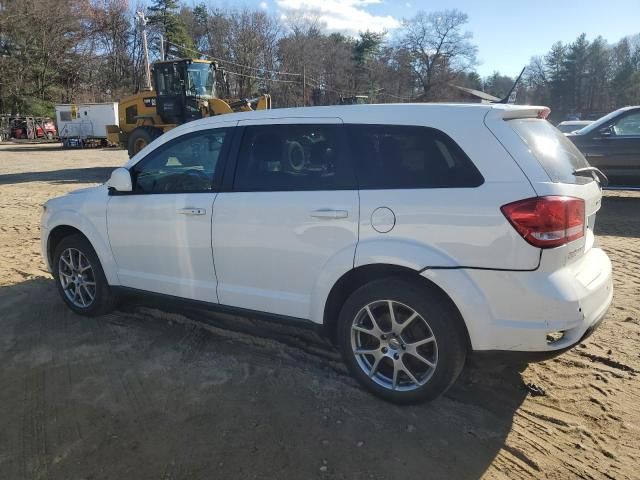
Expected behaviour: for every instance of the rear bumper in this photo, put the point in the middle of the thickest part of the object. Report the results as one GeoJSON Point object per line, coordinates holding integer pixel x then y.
{"type": "Point", "coordinates": [515, 311]}
{"type": "Point", "coordinates": [515, 356]}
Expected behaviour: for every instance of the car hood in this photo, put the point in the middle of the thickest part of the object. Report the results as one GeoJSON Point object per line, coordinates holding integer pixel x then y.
{"type": "Point", "coordinates": [87, 190]}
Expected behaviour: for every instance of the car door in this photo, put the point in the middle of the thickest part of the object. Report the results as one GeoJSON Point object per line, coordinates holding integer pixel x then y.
{"type": "Point", "coordinates": [160, 233]}
{"type": "Point", "coordinates": [626, 138]}
{"type": "Point", "coordinates": [292, 212]}
{"type": "Point", "coordinates": [615, 148]}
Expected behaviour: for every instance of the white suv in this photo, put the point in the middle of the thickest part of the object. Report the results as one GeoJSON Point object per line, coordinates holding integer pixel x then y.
{"type": "Point", "coordinates": [414, 234]}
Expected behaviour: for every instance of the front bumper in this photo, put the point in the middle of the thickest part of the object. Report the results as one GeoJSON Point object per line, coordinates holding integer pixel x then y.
{"type": "Point", "coordinates": [44, 238]}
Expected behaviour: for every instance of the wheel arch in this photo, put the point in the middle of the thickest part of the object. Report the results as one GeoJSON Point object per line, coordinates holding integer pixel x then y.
{"type": "Point", "coordinates": [359, 276]}
{"type": "Point", "coordinates": [70, 223]}
{"type": "Point", "coordinates": [55, 237]}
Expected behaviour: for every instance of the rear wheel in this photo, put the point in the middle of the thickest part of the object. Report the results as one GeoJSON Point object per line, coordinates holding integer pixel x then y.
{"type": "Point", "coordinates": [141, 137]}
{"type": "Point", "coordinates": [80, 278]}
{"type": "Point", "coordinates": [402, 341]}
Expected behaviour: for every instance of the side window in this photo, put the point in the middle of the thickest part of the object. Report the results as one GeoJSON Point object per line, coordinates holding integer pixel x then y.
{"type": "Point", "coordinates": [187, 164]}
{"type": "Point", "coordinates": [131, 113]}
{"type": "Point", "coordinates": [292, 157]}
{"type": "Point", "coordinates": [396, 156]}
{"type": "Point", "coordinates": [628, 125]}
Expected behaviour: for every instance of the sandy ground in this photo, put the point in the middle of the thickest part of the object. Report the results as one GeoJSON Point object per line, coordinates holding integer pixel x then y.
{"type": "Point", "coordinates": [156, 392]}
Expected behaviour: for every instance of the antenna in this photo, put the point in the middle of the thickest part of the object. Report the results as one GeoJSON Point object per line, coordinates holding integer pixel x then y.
{"type": "Point", "coordinates": [507, 98]}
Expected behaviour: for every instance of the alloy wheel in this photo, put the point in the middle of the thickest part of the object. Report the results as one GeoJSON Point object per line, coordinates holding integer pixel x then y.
{"type": "Point", "coordinates": [394, 345]}
{"type": "Point", "coordinates": [77, 278]}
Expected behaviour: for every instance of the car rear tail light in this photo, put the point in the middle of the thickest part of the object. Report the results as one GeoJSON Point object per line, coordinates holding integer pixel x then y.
{"type": "Point", "coordinates": [547, 222]}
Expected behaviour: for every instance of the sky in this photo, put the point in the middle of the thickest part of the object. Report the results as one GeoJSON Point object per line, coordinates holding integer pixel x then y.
{"type": "Point", "coordinates": [507, 33]}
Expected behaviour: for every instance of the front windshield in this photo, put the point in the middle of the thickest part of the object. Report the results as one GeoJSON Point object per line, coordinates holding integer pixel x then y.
{"type": "Point", "coordinates": [200, 80]}
{"type": "Point", "coordinates": [601, 121]}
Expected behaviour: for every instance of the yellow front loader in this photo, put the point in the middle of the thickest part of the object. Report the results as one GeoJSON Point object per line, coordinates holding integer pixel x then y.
{"type": "Point", "coordinates": [184, 90]}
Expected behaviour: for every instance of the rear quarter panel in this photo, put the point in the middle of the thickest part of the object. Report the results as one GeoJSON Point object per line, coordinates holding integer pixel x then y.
{"type": "Point", "coordinates": [448, 227]}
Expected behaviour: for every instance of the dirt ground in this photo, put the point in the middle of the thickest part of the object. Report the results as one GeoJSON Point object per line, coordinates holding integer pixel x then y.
{"type": "Point", "coordinates": [154, 391]}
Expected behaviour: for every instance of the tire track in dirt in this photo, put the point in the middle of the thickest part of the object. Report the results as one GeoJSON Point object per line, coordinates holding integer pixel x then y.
{"type": "Point", "coordinates": [34, 434]}
{"type": "Point", "coordinates": [34, 454]}
{"type": "Point", "coordinates": [130, 381]}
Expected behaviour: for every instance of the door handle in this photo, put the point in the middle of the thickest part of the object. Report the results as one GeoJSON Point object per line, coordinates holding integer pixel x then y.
{"type": "Point", "coordinates": [192, 211]}
{"type": "Point", "coordinates": [329, 213]}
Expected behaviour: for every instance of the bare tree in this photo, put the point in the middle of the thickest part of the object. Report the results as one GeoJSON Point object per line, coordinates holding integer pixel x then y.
{"type": "Point", "coordinates": [439, 49]}
{"type": "Point", "coordinates": [110, 26]}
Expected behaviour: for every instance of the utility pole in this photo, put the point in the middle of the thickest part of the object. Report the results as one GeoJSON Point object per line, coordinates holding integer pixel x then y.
{"type": "Point", "coordinates": [304, 85]}
{"type": "Point", "coordinates": [161, 47]}
{"type": "Point", "coordinates": [147, 67]}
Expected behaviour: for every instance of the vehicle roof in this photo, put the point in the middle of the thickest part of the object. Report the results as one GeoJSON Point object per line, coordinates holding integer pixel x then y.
{"type": "Point", "coordinates": [362, 112]}
{"type": "Point", "coordinates": [606, 118]}
{"type": "Point", "coordinates": [629, 107]}
{"type": "Point", "coordinates": [427, 114]}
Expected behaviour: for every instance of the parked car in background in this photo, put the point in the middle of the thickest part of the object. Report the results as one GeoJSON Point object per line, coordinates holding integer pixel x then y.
{"type": "Point", "coordinates": [612, 144]}
{"type": "Point", "coordinates": [24, 129]}
{"type": "Point", "coordinates": [413, 234]}
{"type": "Point", "coordinates": [569, 126]}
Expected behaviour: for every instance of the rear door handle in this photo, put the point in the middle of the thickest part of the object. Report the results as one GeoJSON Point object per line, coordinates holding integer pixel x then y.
{"type": "Point", "coordinates": [329, 213]}
{"type": "Point", "coordinates": [192, 211]}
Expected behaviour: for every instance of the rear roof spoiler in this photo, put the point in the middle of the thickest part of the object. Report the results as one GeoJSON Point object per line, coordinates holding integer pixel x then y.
{"type": "Point", "coordinates": [510, 112]}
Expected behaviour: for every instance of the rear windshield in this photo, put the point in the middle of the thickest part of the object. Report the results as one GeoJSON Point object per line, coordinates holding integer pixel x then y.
{"type": "Point", "coordinates": [558, 156]}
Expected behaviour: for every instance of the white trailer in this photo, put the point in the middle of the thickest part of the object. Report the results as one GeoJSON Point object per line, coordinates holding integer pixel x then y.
{"type": "Point", "coordinates": [85, 123]}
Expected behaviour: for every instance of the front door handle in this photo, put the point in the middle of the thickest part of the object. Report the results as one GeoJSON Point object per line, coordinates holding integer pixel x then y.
{"type": "Point", "coordinates": [329, 213]}
{"type": "Point", "coordinates": [192, 211]}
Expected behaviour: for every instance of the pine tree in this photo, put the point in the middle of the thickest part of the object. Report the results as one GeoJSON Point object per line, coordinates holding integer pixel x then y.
{"type": "Point", "coordinates": [165, 16]}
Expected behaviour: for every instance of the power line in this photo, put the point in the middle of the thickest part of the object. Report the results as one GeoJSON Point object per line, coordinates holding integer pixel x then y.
{"type": "Point", "coordinates": [262, 78]}
{"type": "Point", "coordinates": [309, 80]}
{"type": "Point", "coordinates": [399, 97]}
{"type": "Point", "coordinates": [249, 67]}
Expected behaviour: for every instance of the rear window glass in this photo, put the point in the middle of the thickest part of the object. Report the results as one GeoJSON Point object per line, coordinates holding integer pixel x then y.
{"type": "Point", "coordinates": [396, 156]}
{"type": "Point", "coordinates": [557, 155]}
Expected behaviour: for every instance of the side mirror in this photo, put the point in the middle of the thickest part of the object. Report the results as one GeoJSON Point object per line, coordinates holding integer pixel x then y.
{"type": "Point", "coordinates": [120, 180]}
{"type": "Point", "coordinates": [606, 131]}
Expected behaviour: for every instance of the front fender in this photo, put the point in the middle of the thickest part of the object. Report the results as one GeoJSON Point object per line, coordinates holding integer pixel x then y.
{"type": "Point", "coordinates": [94, 233]}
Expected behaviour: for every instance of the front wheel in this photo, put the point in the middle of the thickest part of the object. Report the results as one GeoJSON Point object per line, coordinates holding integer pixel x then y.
{"type": "Point", "coordinates": [80, 278]}
{"type": "Point", "coordinates": [140, 138]}
{"type": "Point", "coordinates": [402, 341]}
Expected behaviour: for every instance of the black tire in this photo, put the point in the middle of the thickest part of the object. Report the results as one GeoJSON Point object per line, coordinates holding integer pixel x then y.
{"type": "Point", "coordinates": [105, 299]}
{"type": "Point", "coordinates": [444, 322]}
{"type": "Point", "coordinates": [140, 138]}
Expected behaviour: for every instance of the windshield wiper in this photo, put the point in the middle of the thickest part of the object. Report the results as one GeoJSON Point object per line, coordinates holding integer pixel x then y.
{"type": "Point", "coordinates": [589, 171]}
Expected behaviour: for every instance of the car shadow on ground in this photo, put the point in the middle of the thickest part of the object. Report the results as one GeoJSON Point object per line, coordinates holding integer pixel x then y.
{"type": "Point", "coordinates": [618, 216]}
{"type": "Point", "coordinates": [154, 391]}
{"type": "Point", "coordinates": [68, 175]}
{"type": "Point", "coordinates": [27, 146]}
